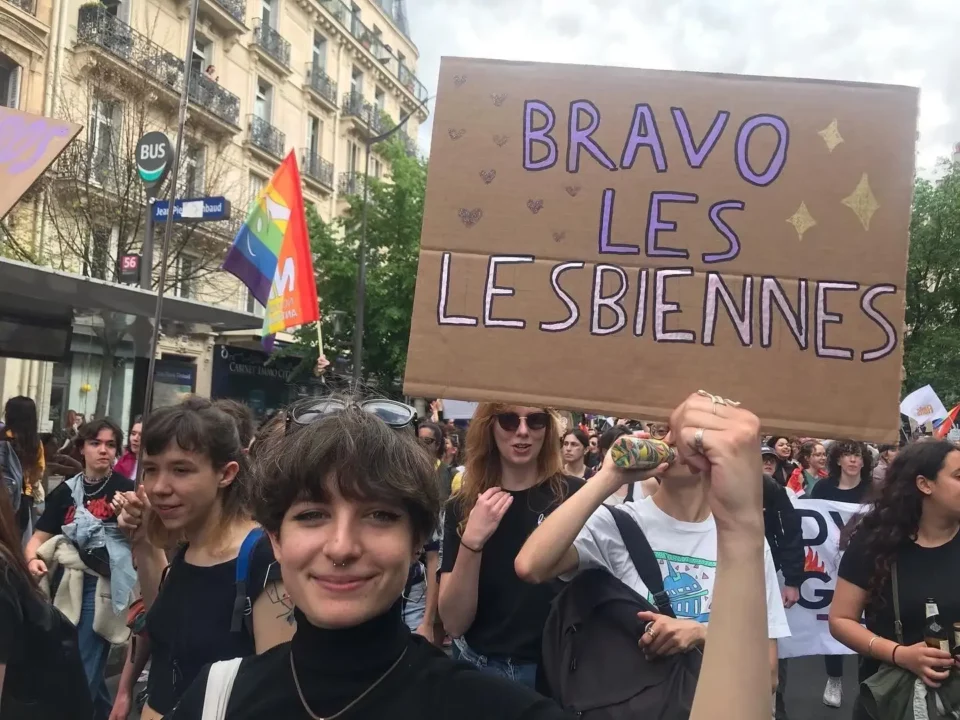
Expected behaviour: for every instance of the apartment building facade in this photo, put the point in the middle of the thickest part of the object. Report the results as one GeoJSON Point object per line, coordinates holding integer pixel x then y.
{"type": "Point", "coordinates": [266, 77]}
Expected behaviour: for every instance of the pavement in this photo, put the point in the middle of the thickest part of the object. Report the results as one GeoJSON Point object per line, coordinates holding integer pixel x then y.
{"type": "Point", "coordinates": [805, 680]}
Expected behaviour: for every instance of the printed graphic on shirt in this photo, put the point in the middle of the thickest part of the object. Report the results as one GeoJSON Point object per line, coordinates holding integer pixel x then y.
{"type": "Point", "coordinates": [688, 582]}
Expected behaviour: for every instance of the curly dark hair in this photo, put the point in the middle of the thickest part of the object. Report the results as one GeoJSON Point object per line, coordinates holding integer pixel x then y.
{"type": "Point", "coordinates": [894, 519]}
{"type": "Point", "coordinates": [849, 447]}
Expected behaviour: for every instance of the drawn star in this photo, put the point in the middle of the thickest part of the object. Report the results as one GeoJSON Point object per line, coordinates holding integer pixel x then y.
{"type": "Point", "coordinates": [862, 202]}
{"type": "Point", "coordinates": [831, 135]}
{"type": "Point", "coordinates": [801, 220]}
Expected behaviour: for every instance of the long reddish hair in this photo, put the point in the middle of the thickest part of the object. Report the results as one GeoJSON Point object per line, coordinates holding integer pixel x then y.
{"type": "Point", "coordinates": [483, 469]}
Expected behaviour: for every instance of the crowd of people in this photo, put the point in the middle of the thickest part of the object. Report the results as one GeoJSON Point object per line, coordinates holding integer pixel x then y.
{"type": "Point", "coordinates": [347, 558]}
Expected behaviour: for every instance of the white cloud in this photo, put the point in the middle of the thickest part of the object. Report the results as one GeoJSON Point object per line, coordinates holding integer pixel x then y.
{"type": "Point", "coordinates": [909, 42]}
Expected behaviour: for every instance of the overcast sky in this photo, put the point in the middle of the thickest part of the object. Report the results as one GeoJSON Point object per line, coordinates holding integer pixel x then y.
{"type": "Point", "coordinates": [908, 42]}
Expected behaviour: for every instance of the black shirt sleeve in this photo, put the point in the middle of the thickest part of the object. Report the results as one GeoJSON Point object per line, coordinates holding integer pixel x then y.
{"type": "Point", "coordinates": [477, 696]}
{"type": "Point", "coordinates": [450, 542]}
{"type": "Point", "coordinates": [11, 616]}
{"type": "Point", "coordinates": [55, 510]}
{"type": "Point", "coordinates": [855, 566]}
{"type": "Point", "coordinates": [791, 547]}
{"type": "Point", "coordinates": [263, 568]}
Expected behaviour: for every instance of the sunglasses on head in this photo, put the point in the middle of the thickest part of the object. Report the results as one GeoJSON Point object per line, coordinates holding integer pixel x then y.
{"type": "Point", "coordinates": [510, 421]}
{"type": "Point", "coordinates": [395, 414]}
{"type": "Point", "coordinates": [428, 440]}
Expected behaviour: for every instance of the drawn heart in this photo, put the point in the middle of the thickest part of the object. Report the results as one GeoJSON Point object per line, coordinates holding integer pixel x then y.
{"type": "Point", "coordinates": [498, 98]}
{"type": "Point", "coordinates": [501, 140]}
{"type": "Point", "coordinates": [535, 206]}
{"type": "Point", "coordinates": [459, 80]}
{"type": "Point", "coordinates": [572, 190]}
{"type": "Point", "coordinates": [558, 236]}
{"type": "Point", "coordinates": [488, 175]}
{"type": "Point", "coordinates": [470, 217]}
{"type": "Point", "coordinates": [456, 134]}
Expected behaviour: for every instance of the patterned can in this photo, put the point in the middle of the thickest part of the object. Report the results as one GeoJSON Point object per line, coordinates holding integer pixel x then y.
{"type": "Point", "coordinates": [633, 453]}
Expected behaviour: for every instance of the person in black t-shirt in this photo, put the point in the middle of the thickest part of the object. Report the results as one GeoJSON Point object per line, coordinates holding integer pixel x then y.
{"type": "Point", "coordinates": [513, 479]}
{"type": "Point", "coordinates": [912, 526]}
{"type": "Point", "coordinates": [348, 499]}
{"type": "Point", "coordinates": [97, 441]}
{"type": "Point", "coordinates": [196, 492]}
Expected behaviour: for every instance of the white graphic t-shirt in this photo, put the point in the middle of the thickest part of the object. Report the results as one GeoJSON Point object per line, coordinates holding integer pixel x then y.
{"type": "Point", "coordinates": [686, 552]}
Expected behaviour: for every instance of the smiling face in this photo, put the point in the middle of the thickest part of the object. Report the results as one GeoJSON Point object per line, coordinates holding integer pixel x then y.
{"type": "Point", "coordinates": [521, 446]}
{"type": "Point", "coordinates": [183, 486]}
{"type": "Point", "coordinates": [818, 459]}
{"type": "Point", "coordinates": [783, 448]}
{"type": "Point", "coordinates": [344, 561]}
{"type": "Point", "coordinates": [99, 453]}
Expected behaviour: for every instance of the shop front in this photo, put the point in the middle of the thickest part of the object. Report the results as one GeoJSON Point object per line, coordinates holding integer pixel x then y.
{"type": "Point", "coordinates": [262, 383]}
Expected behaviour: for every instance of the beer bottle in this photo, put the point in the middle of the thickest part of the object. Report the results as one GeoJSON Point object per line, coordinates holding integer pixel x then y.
{"type": "Point", "coordinates": [956, 639]}
{"type": "Point", "coordinates": [935, 635]}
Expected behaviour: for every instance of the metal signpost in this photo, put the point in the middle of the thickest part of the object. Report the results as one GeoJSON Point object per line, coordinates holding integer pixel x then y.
{"type": "Point", "coordinates": [154, 156]}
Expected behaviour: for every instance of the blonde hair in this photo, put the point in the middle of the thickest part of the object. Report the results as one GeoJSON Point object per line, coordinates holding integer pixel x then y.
{"type": "Point", "coordinates": [483, 470]}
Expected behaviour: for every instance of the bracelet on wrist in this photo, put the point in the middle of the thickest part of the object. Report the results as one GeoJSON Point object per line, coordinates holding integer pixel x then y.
{"type": "Point", "coordinates": [471, 549]}
{"type": "Point", "coordinates": [893, 657]}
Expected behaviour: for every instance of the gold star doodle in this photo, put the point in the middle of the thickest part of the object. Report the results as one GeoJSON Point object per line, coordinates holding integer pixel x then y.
{"type": "Point", "coordinates": [802, 220]}
{"type": "Point", "coordinates": [831, 135]}
{"type": "Point", "coordinates": [862, 202]}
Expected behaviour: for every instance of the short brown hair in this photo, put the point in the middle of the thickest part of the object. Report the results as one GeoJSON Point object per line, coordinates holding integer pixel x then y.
{"type": "Point", "coordinates": [361, 455]}
{"type": "Point", "coordinates": [242, 416]}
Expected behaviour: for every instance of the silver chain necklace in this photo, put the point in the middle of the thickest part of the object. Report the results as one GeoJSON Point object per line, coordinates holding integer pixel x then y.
{"type": "Point", "coordinates": [95, 491]}
{"type": "Point", "coordinates": [303, 700]}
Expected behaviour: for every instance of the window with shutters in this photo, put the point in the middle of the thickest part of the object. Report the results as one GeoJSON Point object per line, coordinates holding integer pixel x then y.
{"type": "Point", "coordinates": [10, 74]}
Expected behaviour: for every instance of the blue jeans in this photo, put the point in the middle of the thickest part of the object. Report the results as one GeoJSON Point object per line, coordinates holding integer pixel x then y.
{"type": "Point", "coordinates": [94, 650]}
{"type": "Point", "coordinates": [415, 605]}
{"type": "Point", "coordinates": [523, 673]}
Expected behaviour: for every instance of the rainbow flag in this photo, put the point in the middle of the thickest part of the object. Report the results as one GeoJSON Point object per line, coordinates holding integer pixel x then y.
{"type": "Point", "coordinates": [271, 254]}
{"type": "Point", "coordinates": [944, 426]}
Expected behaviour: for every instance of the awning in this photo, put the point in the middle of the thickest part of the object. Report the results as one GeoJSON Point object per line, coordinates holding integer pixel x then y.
{"type": "Point", "coordinates": [34, 290]}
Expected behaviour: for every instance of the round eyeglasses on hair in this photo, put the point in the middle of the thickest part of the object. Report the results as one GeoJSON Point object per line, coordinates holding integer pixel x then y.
{"type": "Point", "coordinates": [395, 414]}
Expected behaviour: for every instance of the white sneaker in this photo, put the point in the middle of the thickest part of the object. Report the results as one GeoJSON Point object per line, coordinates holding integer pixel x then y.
{"type": "Point", "coordinates": [833, 693]}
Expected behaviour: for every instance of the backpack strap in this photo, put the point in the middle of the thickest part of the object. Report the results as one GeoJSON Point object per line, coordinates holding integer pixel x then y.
{"type": "Point", "coordinates": [641, 554]}
{"type": "Point", "coordinates": [242, 607]}
{"type": "Point", "coordinates": [629, 497]}
{"type": "Point", "coordinates": [216, 696]}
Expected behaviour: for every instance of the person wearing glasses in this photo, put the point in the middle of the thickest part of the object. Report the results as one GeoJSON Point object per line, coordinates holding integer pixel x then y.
{"type": "Point", "coordinates": [348, 499]}
{"type": "Point", "coordinates": [195, 499]}
{"type": "Point", "coordinates": [513, 479]}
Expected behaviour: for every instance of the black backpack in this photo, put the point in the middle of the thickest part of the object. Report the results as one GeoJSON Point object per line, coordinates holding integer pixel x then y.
{"type": "Point", "coordinates": [591, 662]}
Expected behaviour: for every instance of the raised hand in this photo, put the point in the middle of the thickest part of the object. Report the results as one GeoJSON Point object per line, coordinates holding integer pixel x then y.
{"type": "Point", "coordinates": [485, 517]}
{"type": "Point", "coordinates": [132, 514]}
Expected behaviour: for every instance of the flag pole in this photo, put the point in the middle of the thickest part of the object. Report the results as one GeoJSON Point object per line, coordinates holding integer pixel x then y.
{"type": "Point", "coordinates": [319, 338]}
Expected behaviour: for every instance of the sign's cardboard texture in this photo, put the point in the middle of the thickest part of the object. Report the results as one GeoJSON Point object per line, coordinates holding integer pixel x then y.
{"type": "Point", "coordinates": [28, 145]}
{"type": "Point", "coordinates": [541, 265]}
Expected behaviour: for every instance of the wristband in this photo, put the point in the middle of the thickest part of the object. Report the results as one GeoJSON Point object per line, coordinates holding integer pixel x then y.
{"type": "Point", "coordinates": [893, 657]}
{"type": "Point", "coordinates": [473, 550]}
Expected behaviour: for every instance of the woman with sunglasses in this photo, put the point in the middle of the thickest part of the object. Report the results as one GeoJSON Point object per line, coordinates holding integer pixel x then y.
{"type": "Point", "coordinates": [194, 497]}
{"type": "Point", "coordinates": [347, 502]}
{"type": "Point", "coordinates": [513, 478]}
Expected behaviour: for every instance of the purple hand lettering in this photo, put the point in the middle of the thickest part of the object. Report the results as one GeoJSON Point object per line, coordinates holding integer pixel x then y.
{"type": "Point", "coordinates": [24, 142]}
{"type": "Point", "coordinates": [470, 217]}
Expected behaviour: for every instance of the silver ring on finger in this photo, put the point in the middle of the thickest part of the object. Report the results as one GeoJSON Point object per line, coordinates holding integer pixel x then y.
{"type": "Point", "coordinates": [731, 403]}
{"type": "Point", "coordinates": [698, 440]}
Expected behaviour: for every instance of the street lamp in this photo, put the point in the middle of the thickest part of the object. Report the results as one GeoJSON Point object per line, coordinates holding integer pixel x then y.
{"type": "Point", "coordinates": [362, 250]}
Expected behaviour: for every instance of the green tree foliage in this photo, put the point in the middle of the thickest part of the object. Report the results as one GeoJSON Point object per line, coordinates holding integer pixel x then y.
{"type": "Point", "coordinates": [394, 217]}
{"type": "Point", "coordinates": [932, 340]}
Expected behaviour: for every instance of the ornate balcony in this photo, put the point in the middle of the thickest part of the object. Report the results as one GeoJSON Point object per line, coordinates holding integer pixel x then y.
{"type": "Point", "coordinates": [316, 170]}
{"type": "Point", "coordinates": [322, 87]}
{"type": "Point", "coordinates": [272, 46]}
{"type": "Point", "coordinates": [136, 54]}
{"type": "Point", "coordinates": [227, 16]}
{"type": "Point", "coordinates": [351, 183]}
{"type": "Point", "coordinates": [369, 120]}
{"type": "Point", "coordinates": [265, 137]}
{"type": "Point", "coordinates": [28, 6]}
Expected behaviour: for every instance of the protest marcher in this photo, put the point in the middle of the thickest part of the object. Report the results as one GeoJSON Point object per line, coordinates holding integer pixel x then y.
{"type": "Point", "coordinates": [513, 479]}
{"type": "Point", "coordinates": [682, 529]}
{"type": "Point", "coordinates": [574, 448]}
{"type": "Point", "coordinates": [768, 458]}
{"type": "Point", "coordinates": [243, 418]}
{"type": "Point", "coordinates": [21, 438]}
{"type": "Point", "coordinates": [127, 464]}
{"type": "Point", "coordinates": [848, 480]}
{"type": "Point", "coordinates": [201, 606]}
{"type": "Point", "coordinates": [41, 675]}
{"type": "Point", "coordinates": [785, 463]}
{"type": "Point", "coordinates": [77, 513]}
{"type": "Point", "coordinates": [887, 454]}
{"type": "Point", "coordinates": [593, 457]}
{"type": "Point", "coordinates": [348, 501]}
{"type": "Point", "coordinates": [812, 458]}
{"type": "Point", "coordinates": [908, 540]}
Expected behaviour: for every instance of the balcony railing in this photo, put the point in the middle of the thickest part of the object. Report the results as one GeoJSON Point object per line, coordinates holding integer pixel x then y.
{"type": "Point", "coordinates": [272, 42]}
{"type": "Point", "coordinates": [237, 9]}
{"type": "Point", "coordinates": [351, 183]}
{"type": "Point", "coordinates": [316, 167]}
{"type": "Point", "coordinates": [96, 26]}
{"type": "Point", "coordinates": [103, 166]}
{"type": "Point", "coordinates": [409, 144]}
{"type": "Point", "coordinates": [365, 36]}
{"type": "Point", "coordinates": [370, 115]}
{"type": "Point", "coordinates": [321, 83]}
{"type": "Point", "coordinates": [391, 10]}
{"type": "Point", "coordinates": [266, 137]}
{"type": "Point", "coordinates": [25, 5]}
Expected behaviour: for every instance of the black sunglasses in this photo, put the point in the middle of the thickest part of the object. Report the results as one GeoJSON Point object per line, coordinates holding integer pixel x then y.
{"type": "Point", "coordinates": [510, 421]}
{"type": "Point", "coordinates": [428, 440]}
{"type": "Point", "coordinates": [395, 414]}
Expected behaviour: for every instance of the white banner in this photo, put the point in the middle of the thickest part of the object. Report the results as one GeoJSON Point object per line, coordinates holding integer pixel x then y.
{"type": "Point", "coordinates": [822, 521]}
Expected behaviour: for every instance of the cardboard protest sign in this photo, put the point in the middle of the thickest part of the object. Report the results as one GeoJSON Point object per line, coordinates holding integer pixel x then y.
{"type": "Point", "coordinates": [610, 240]}
{"type": "Point", "coordinates": [28, 145]}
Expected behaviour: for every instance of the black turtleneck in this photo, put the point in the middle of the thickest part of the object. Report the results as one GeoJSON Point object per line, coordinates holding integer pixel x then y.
{"type": "Point", "coordinates": [335, 667]}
